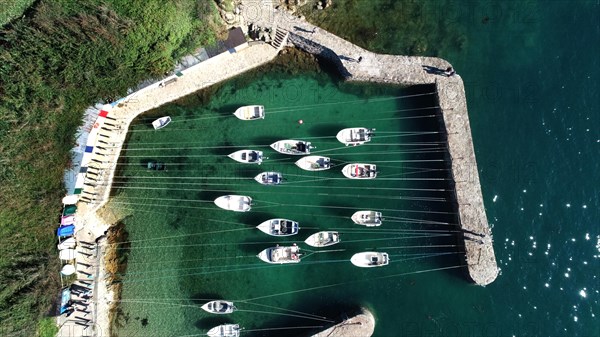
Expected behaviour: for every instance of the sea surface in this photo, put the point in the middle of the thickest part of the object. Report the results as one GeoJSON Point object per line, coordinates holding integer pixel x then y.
{"type": "Point", "coordinates": [531, 74]}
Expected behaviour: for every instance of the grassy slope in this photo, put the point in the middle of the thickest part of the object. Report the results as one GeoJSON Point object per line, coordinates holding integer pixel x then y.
{"type": "Point", "coordinates": [11, 9]}
{"type": "Point", "coordinates": [53, 64]}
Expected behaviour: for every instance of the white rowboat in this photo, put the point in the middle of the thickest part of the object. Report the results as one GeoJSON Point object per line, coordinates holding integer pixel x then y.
{"type": "Point", "coordinates": [250, 112]}
{"type": "Point", "coordinates": [161, 122]}
{"type": "Point", "coordinates": [236, 203]}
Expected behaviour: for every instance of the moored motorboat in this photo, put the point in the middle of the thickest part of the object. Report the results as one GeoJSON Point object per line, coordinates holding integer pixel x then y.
{"type": "Point", "coordinates": [250, 112]}
{"type": "Point", "coordinates": [293, 147]}
{"type": "Point", "coordinates": [219, 307]}
{"type": "Point", "coordinates": [280, 255]}
{"type": "Point", "coordinates": [360, 171]}
{"type": "Point", "coordinates": [225, 330]}
{"type": "Point", "coordinates": [279, 227]}
{"type": "Point", "coordinates": [269, 178]}
{"type": "Point", "coordinates": [236, 203]}
{"type": "Point", "coordinates": [247, 156]}
{"type": "Point", "coordinates": [161, 122]}
{"type": "Point", "coordinates": [355, 136]}
{"type": "Point", "coordinates": [314, 163]}
{"type": "Point", "coordinates": [323, 239]}
{"type": "Point", "coordinates": [370, 259]}
{"type": "Point", "coordinates": [367, 218]}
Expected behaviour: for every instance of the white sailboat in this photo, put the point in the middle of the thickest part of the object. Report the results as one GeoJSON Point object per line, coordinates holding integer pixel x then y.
{"type": "Point", "coordinates": [279, 227]}
{"type": "Point", "coordinates": [355, 136]}
{"type": "Point", "coordinates": [225, 330]}
{"type": "Point", "coordinates": [360, 171]}
{"type": "Point", "coordinates": [219, 307]}
{"type": "Point", "coordinates": [314, 163]}
{"type": "Point", "coordinates": [161, 122]}
{"type": "Point", "coordinates": [247, 156]}
{"type": "Point", "coordinates": [236, 203]}
{"type": "Point", "coordinates": [250, 112]}
{"type": "Point", "coordinates": [269, 178]}
{"type": "Point", "coordinates": [323, 239]}
{"type": "Point", "coordinates": [367, 218]}
{"type": "Point", "coordinates": [370, 259]}
{"type": "Point", "coordinates": [293, 147]}
{"type": "Point", "coordinates": [280, 255]}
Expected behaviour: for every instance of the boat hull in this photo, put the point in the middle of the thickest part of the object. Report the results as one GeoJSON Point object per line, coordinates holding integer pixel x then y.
{"type": "Point", "coordinates": [367, 218]}
{"type": "Point", "coordinates": [370, 259]}
{"type": "Point", "coordinates": [360, 171]}
{"type": "Point", "coordinates": [292, 147]}
{"type": "Point", "coordinates": [250, 112]}
{"type": "Point", "coordinates": [161, 122]}
{"type": "Point", "coordinates": [354, 136]}
{"type": "Point", "coordinates": [225, 330]}
{"type": "Point", "coordinates": [269, 178]}
{"type": "Point", "coordinates": [236, 203]}
{"type": "Point", "coordinates": [280, 255]}
{"type": "Point", "coordinates": [219, 307]}
{"type": "Point", "coordinates": [279, 227]}
{"type": "Point", "coordinates": [314, 163]}
{"type": "Point", "coordinates": [323, 239]}
{"type": "Point", "coordinates": [247, 156]}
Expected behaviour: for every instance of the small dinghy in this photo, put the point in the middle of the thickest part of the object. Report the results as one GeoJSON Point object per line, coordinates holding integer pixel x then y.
{"type": "Point", "coordinates": [370, 259]}
{"type": "Point", "coordinates": [314, 163]}
{"type": "Point", "coordinates": [355, 136]}
{"type": "Point", "coordinates": [161, 122]}
{"type": "Point", "coordinates": [280, 255]}
{"type": "Point", "coordinates": [360, 171]}
{"type": "Point", "coordinates": [236, 203]}
{"type": "Point", "coordinates": [219, 307]}
{"type": "Point", "coordinates": [293, 147]}
{"type": "Point", "coordinates": [279, 227]}
{"type": "Point", "coordinates": [367, 218]}
{"type": "Point", "coordinates": [323, 239]}
{"type": "Point", "coordinates": [250, 112]}
{"type": "Point", "coordinates": [69, 243]}
{"type": "Point", "coordinates": [225, 330]}
{"type": "Point", "coordinates": [247, 156]}
{"type": "Point", "coordinates": [269, 178]}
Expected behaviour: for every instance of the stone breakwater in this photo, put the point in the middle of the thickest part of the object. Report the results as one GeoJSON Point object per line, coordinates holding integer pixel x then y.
{"type": "Point", "coordinates": [358, 64]}
{"type": "Point", "coordinates": [362, 324]}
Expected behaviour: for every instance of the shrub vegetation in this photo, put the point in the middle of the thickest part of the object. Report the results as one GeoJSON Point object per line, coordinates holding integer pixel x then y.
{"type": "Point", "coordinates": [56, 60]}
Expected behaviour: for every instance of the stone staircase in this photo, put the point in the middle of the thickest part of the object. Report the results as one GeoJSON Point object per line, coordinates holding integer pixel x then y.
{"type": "Point", "coordinates": [280, 39]}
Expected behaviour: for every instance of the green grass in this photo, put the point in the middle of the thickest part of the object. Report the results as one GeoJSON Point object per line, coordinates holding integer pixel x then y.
{"type": "Point", "coordinates": [59, 59]}
{"type": "Point", "coordinates": [47, 327]}
{"type": "Point", "coordinates": [11, 9]}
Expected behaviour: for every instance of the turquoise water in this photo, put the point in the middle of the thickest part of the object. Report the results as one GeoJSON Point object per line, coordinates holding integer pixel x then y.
{"type": "Point", "coordinates": [530, 71]}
